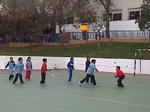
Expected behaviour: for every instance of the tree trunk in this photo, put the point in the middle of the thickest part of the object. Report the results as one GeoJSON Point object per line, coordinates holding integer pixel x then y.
{"type": "Point", "coordinates": [99, 47]}
{"type": "Point", "coordinates": [60, 37]}
{"type": "Point", "coordinates": [31, 45]}
{"type": "Point", "coordinates": [107, 24]}
{"type": "Point", "coordinates": [149, 40]}
{"type": "Point", "coordinates": [54, 22]}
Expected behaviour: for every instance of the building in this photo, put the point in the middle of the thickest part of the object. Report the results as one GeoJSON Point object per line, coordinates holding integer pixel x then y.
{"type": "Point", "coordinates": [122, 16]}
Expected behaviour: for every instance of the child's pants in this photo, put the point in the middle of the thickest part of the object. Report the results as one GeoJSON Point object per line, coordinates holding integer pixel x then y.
{"type": "Point", "coordinates": [87, 81]}
{"type": "Point", "coordinates": [28, 74]}
{"type": "Point", "coordinates": [16, 77]}
{"type": "Point", "coordinates": [87, 77]}
{"type": "Point", "coordinates": [43, 76]}
{"type": "Point", "coordinates": [120, 81]}
{"type": "Point", "coordinates": [11, 77]}
{"type": "Point", "coordinates": [70, 75]}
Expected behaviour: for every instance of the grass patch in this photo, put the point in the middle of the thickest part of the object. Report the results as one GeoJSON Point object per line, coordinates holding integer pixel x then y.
{"type": "Point", "coordinates": [108, 50]}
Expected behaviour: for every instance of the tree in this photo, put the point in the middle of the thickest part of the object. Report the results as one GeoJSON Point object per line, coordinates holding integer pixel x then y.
{"type": "Point", "coordinates": [107, 4]}
{"type": "Point", "coordinates": [61, 9]}
{"type": "Point", "coordinates": [98, 26]}
{"type": "Point", "coordinates": [85, 14]}
{"type": "Point", "coordinates": [25, 17]}
{"type": "Point", "coordinates": [144, 20]}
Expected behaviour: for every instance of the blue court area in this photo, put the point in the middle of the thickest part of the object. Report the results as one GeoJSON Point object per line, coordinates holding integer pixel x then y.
{"type": "Point", "coordinates": [59, 96]}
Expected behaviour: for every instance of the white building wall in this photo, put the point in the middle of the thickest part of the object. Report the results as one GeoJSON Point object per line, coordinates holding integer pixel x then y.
{"type": "Point", "coordinates": [103, 64]}
{"type": "Point", "coordinates": [123, 6]}
{"type": "Point", "coordinates": [114, 25]}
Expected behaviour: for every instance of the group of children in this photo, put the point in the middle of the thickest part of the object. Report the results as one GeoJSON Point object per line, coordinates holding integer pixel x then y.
{"type": "Point", "coordinates": [90, 68]}
{"type": "Point", "coordinates": [19, 67]}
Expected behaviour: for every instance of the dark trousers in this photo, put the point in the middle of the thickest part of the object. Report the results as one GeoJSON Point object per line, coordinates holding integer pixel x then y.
{"type": "Point", "coordinates": [87, 77]}
{"type": "Point", "coordinates": [120, 81]}
{"type": "Point", "coordinates": [43, 76]}
{"type": "Point", "coordinates": [11, 77]}
{"type": "Point", "coordinates": [16, 78]}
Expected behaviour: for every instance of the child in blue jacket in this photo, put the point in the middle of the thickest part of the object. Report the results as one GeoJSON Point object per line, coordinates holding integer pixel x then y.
{"type": "Point", "coordinates": [19, 67]}
{"type": "Point", "coordinates": [28, 68]}
{"type": "Point", "coordinates": [70, 66]}
{"type": "Point", "coordinates": [89, 73]}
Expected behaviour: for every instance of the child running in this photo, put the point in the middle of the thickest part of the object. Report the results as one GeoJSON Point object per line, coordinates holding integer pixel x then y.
{"type": "Point", "coordinates": [89, 73]}
{"type": "Point", "coordinates": [19, 67]}
{"type": "Point", "coordinates": [11, 65]}
{"type": "Point", "coordinates": [70, 66]}
{"type": "Point", "coordinates": [28, 68]}
{"type": "Point", "coordinates": [121, 76]}
{"type": "Point", "coordinates": [43, 71]}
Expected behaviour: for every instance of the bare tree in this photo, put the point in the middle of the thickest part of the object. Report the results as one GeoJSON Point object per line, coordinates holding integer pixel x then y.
{"type": "Point", "coordinates": [107, 4]}
{"type": "Point", "coordinates": [61, 9]}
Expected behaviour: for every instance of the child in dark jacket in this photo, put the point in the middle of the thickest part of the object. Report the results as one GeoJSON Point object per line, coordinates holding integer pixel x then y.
{"type": "Point", "coordinates": [11, 65]}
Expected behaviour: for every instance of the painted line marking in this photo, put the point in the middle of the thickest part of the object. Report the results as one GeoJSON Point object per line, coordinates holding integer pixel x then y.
{"type": "Point", "coordinates": [53, 75]}
{"type": "Point", "coordinates": [41, 103]}
{"type": "Point", "coordinates": [79, 96]}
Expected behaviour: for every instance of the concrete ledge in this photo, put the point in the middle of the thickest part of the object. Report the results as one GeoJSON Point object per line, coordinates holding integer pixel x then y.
{"type": "Point", "coordinates": [127, 40]}
{"type": "Point", "coordinates": [78, 42]}
{"type": "Point", "coordinates": [13, 44]}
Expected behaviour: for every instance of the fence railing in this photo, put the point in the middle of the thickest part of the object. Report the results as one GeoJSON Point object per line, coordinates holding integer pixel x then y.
{"type": "Point", "coordinates": [35, 39]}
{"type": "Point", "coordinates": [113, 34]}
{"type": "Point", "coordinates": [4, 41]}
{"type": "Point", "coordinates": [78, 36]}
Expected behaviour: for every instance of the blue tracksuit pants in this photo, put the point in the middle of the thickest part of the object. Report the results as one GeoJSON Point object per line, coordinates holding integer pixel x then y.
{"type": "Point", "coordinates": [70, 75]}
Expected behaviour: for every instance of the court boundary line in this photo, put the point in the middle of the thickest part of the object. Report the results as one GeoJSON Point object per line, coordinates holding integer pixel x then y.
{"type": "Point", "coordinates": [140, 85]}
{"type": "Point", "coordinates": [79, 96]}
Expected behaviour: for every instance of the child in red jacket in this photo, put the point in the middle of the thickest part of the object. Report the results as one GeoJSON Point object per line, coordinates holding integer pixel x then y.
{"type": "Point", "coordinates": [121, 76]}
{"type": "Point", "coordinates": [43, 71]}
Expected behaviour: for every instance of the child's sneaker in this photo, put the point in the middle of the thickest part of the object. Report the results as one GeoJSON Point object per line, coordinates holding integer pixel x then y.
{"type": "Point", "coordinates": [96, 85]}
{"type": "Point", "coordinates": [80, 84]}
{"type": "Point", "coordinates": [69, 82]}
{"type": "Point", "coordinates": [42, 84]}
{"type": "Point", "coordinates": [22, 82]}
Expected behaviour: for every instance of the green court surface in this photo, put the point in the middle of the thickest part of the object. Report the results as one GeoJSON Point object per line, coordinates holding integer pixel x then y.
{"type": "Point", "coordinates": [59, 96]}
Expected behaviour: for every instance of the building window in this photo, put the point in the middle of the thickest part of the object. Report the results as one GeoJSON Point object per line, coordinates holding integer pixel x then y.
{"type": "Point", "coordinates": [115, 16]}
{"type": "Point", "coordinates": [134, 15]}
{"type": "Point", "coordinates": [69, 20]}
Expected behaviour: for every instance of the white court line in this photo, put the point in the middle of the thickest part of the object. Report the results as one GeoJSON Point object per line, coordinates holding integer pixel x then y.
{"type": "Point", "coordinates": [54, 75]}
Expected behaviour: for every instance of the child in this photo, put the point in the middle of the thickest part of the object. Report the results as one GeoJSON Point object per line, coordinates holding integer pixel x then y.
{"type": "Point", "coordinates": [121, 76]}
{"type": "Point", "coordinates": [86, 68]}
{"type": "Point", "coordinates": [43, 71]}
{"type": "Point", "coordinates": [70, 66]}
{"type": "Point", "coordinates": [11, 65]}
{"type": "Point", "coordinates": [19, 67]}
{"type": "Point", "coordinates": [89, 73]}
{"type": "Point", "coordinates": [28, 68]}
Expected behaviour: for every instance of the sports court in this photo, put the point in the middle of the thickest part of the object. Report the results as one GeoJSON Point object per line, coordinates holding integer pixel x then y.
{"type": "Point", "coordinates": [59, 96]}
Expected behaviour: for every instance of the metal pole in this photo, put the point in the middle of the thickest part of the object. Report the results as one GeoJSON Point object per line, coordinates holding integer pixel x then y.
{"type": "Point", "coordinates": [140, 62]}
{"type": "Point", "coordinates": [87, 47]}
{"type": "Point", "coordinates": [135, 62]}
